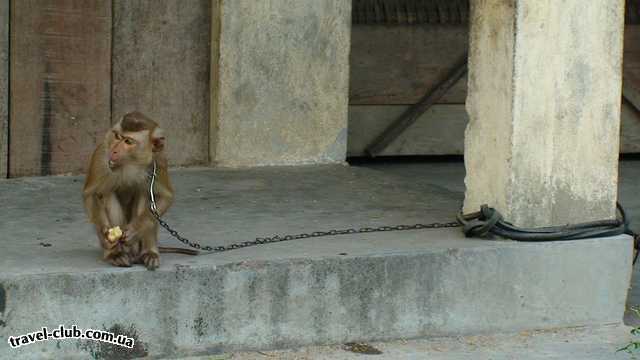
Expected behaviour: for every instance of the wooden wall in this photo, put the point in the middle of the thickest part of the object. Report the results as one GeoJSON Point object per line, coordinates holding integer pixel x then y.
{"type": "Point", "coordinates": [631, 86]}
{"type": "Point", "coordinates": [60, 83]}
{"type": "Point", "coordinates": [393, 66]}
{"type": "Point", "coordinates": [68, 85]}
{"type": "Point", "coordinates": [76, 66]}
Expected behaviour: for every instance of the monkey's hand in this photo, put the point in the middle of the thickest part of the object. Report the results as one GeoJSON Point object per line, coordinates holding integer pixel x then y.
{"type": "Point", "coordinates": [113, 236]}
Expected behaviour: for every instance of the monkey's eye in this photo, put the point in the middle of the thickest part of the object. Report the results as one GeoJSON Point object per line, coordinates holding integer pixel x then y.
{"type": "Point", "coordinates": [129, 141]}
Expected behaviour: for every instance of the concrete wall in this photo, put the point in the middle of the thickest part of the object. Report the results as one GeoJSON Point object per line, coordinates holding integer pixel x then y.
{"type": "Point", "coordinates": [282, 83]}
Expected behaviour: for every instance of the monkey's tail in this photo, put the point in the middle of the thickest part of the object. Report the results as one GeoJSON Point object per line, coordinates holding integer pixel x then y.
{"type": "Point", "coordinates": [177, 250]}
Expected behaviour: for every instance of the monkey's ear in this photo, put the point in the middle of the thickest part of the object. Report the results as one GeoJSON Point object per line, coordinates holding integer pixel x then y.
{"type": "Point", "coordinates": [157, 140]}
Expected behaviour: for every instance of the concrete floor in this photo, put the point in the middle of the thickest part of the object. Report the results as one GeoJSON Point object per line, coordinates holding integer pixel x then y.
{"type": "Point", "coordinates": [599, 343]}
{"type": "Point", "coordinates": [225, 206]}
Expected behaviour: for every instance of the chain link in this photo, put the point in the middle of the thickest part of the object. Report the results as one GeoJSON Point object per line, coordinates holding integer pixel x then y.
{"type": "Point", "coordinates": [279, 238]}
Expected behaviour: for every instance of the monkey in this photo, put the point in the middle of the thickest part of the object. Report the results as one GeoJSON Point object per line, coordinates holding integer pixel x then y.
{"type": "Point", "coordinates": [116, 191]}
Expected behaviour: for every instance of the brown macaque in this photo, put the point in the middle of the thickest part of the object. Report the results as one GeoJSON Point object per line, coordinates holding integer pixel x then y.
{"type": "Point", "coordinates": [116, 191]}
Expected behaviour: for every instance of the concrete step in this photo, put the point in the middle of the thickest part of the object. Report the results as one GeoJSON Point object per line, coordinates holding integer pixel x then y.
{"type": "Point", "coordinates": [283, 297]}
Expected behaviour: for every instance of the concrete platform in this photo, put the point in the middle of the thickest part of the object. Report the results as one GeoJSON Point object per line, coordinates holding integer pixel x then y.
{"type": "Point", "coordinates": [318, 291]}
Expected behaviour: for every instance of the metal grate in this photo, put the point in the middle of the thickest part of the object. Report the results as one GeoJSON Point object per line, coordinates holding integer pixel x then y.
{"type": "Point", "coordinates": [409, 12]}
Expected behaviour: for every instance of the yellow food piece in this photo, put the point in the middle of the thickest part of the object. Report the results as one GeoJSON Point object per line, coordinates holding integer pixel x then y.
{"type": "Point", "coordinates": [114, 234]}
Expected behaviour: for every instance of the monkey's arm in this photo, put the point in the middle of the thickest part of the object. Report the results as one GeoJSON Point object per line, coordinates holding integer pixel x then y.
{"type": "Point", "coordinates": [94, 181]}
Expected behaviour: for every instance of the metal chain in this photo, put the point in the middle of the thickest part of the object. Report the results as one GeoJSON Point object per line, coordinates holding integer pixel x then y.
{"type": "Point", "coordinates": [278, 238]}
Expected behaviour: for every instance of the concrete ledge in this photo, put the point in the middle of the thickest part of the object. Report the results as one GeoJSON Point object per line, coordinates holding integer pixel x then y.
{"type": "Point", "coordinates": [389, 285]}
{"type": "Point", "coordinates": [468, 287]}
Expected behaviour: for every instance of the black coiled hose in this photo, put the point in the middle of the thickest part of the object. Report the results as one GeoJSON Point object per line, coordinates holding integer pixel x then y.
{"type": "Point", "coordinates": [488, 221]}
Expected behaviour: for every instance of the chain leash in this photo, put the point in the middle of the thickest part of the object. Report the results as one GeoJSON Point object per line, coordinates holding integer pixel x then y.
{"type": "Point", "coordinates": [279, 238]}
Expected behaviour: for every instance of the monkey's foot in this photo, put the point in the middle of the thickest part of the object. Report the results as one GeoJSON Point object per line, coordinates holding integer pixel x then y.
{"type": "Point", "coordinates": [151, 261]}
{"type": "Point", "coordinates": [119, 259]}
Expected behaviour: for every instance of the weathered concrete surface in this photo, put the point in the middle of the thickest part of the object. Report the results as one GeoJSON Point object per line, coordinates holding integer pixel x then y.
{"type": "Point", "coordinates": [283, 77]}
{"type": "Point", "coordinates": [589, 343]}
{"type": "Point", "coordinates": [317, 291]}
{"type": "Point", "coordinates": [161, 67]}
{"type": "Point", "coordinates": [544, 105]}
{"type": "Point", "coordinates": [4, 87]}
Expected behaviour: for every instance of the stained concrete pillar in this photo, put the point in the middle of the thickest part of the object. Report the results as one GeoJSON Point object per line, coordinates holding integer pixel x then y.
{"type": "Point", "coordinates": [544, 106]}
{"type": "Point", "coordinates": [279, 81]}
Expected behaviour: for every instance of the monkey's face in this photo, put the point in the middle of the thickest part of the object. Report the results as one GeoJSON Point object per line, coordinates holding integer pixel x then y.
{"type": "Point", "coordinates": [128, 148]}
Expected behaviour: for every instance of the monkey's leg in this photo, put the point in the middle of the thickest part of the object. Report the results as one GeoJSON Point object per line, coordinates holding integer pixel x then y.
{"type": "Point", "coordinates": [149, 252]}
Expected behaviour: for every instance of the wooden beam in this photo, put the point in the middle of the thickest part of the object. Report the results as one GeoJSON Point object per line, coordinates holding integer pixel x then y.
{"type": "Point", "coordinates": [415, 111]}
{"type": "Point", "coordinates": [4, 88]}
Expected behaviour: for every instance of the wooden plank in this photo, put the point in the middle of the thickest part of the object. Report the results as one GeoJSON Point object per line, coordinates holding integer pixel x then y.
{"type": "Point", "coordinates": [440, 131]}
{"type": "Point", "coordinates": [629, 130]}
{"type": "Point", "coordinates": [396, 65]}
{"type": "Point", "coordinates": [161, 62]}
{"type": "Point", "coordinates": [631, 87]}
{"type": "Point", "coordinates": [630, 126]}
{"type": "Point", "coordinates": [632, 45]}
{"type": "Point", "coordinates": [4, 88]}
{"type": "Point", "coordinates": [631, 65]}
{"type": "Point", "coordinates": [60, 84]}
{"type": "Point", "coordinates": [416, 110]}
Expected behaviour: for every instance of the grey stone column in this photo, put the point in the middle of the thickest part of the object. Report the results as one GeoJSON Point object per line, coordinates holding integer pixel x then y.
{"type": "Point", "coordinates": [544, 105]}
{"type": "Point", "coordinates": [279, 81]}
